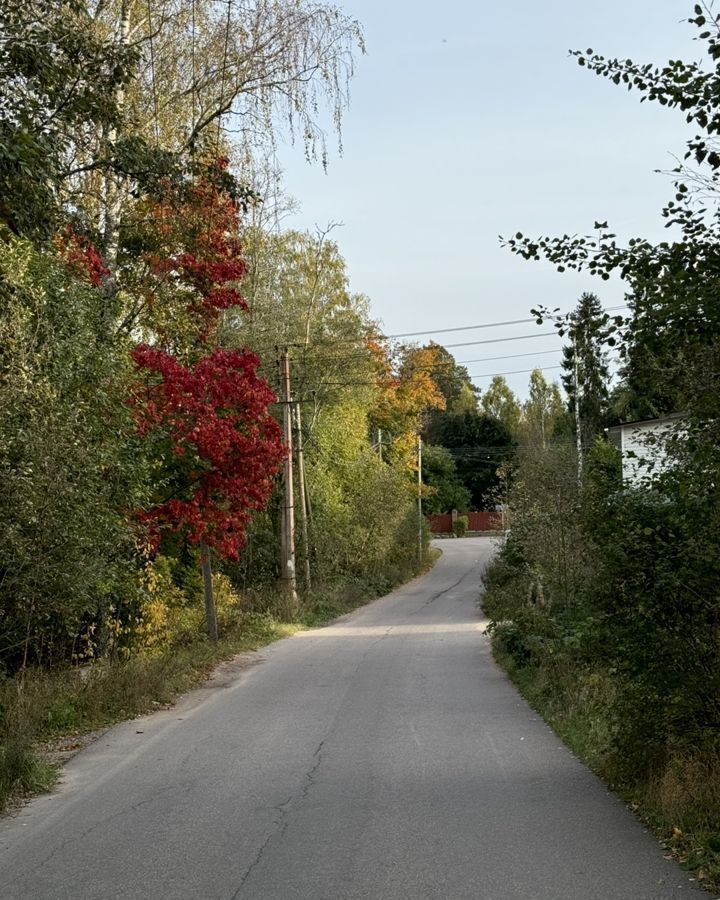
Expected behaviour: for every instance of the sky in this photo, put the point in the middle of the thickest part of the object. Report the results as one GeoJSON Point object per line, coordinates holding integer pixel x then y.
{"type": "Point", "coordinates": [469, 120]}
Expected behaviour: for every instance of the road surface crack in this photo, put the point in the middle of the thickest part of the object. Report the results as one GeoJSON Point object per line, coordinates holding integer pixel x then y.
{"type": "Point", "coordinates": [78, 839]}
{"type": "Point", "coordinates": [280, 824]}
{"type": "Point", "coordinates": [443, 592]}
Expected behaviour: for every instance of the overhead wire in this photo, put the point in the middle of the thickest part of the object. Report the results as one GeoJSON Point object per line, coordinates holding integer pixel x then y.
{"type": "Point", "coordinates": [484, 325]}
{"type": "Point", "coordinates": [366, 352]}
{"type": "Point", "coordinates": [432, 331]}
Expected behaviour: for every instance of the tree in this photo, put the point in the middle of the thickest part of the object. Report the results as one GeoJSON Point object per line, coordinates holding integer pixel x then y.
{"type": "Point", "coordinates": [480, 446]}
{"type": "Point", "coordinates": [59, 83]}
{"type": "Point", "coordinates": [210, 428]}
{"type": "Point", "coordinates": [649, 623]}
{"type": "Point", "coordinates": [207, 421]}
{"type": "Point", "coordinates": [69, 463]}
{"type": "Point", "coordinates": [209, 78]}
{"type": "Point", "coordinates": [671, 340]}
{"type": "Point", "coordinates": [585, 358]}
{"type": "Point", "coordinates": [406, 393]}
{"type": "Point", "coordinates": [542, 412]}
{"type": "Point", "coordinates": [440, 475]}
{"type": "Point", "coordinates": [254, 62]}
{"type": "Point", "coordinates": [500, 402]}
{"type": "Point", "coordinates": [181, 259]}
{"type": "Point", "coordinates": [456, 387]}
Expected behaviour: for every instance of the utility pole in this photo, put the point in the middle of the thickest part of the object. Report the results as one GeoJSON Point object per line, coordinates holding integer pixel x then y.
{"type": "Point", "coordinates": [578, 424]}
{"type": "Point", "coordinates": [303, 498]}
{"type": "Point", "coordinates": [287, 529]}
{"type": "Point", "coordinates": [210, 615]}
{"type": "Point", "coordinates": [419, 500]}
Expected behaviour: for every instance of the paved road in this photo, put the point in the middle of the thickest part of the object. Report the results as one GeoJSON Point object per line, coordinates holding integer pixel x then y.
{"type": "Point", "coordinates": [384, 757]}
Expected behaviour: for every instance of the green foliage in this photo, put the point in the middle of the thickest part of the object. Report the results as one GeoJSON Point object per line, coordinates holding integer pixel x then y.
{"type": "Point", "coordinates": [364, 516]}
{"type": "Point", "coordinates": [68, 464]}
{"type": "Point", "coordinates": [586, 356]}
{"type": "Point", "coordinates": [480, 445]}
{"type": "Point", "coordinates": [641, 614]}
{"type": "Point", "coordinates": [440, 475]}
{"type": "Point", "coordinates": [617, 589]}
{"type": "Point", "coordinates": [62, 78]}
{"type": "Point", "coordinates": [500, 402]}
{"type": "Point", "coordinates": [460, 526]}
{"type": "Point", "coordinates": [456, 387]}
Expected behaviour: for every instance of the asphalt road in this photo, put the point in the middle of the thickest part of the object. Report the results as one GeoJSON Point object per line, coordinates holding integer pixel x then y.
{"type": "Point", "coordinates": [383, 757]}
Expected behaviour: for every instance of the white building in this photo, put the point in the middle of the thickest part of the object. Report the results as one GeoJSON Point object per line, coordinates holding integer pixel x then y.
{"type": "Point", "coordinates": [643, 445]}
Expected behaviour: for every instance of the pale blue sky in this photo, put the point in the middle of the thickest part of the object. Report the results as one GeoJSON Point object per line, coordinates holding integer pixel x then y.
{"type": "Point", "coordinates": [469, 120]}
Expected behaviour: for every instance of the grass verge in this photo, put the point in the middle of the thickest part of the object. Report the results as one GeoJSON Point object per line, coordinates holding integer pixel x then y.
{"type": "Point", "coordinates": [680, 801]}
{"type": "Point", "coordinates": [42, 706]}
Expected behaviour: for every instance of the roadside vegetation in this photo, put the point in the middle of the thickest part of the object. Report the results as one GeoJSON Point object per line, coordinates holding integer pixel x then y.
{"type": "Point", "coordinates": [604, 599]}
{"type": "Point", "coordinates": [147, 296]}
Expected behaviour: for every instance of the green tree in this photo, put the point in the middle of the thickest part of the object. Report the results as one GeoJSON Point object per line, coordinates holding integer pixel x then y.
{"type": "Point", "coordinates": [671, 340]}
{"type": "Point", "coordinates": [62, 80]}
{"type": "Point", "coordinates": [480, 445]}
{"type": "Point", "coordinates": [646, 620]}
{"type": "Point", "coordinates": [500, 402]}
{"type": "Point", "coordinates": [69, 465]}
{"type": "Point", "coordinates": [447, 489]}
{"type": "Point", "coordinates": [455, 385]}
{"type": "Point", "coordinates": [543, 411]}
{"type": "Point", "coordinates": [586, 358]}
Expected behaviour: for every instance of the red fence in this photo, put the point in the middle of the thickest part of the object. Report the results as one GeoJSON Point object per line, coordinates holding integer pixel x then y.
{"type": "Point", "coordinates": [441, 523]}
{"type": "Point", "coordinates": [477, 521]}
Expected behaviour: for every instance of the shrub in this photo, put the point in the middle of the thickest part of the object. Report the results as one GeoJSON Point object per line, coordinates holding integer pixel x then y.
{"type": "Point", "coordinates": [460, 526]}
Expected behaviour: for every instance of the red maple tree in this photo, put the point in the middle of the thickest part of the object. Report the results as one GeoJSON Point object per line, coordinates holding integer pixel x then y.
{"type": "Point", "coordinates": [192, 245]}
{"type": "Point", "coordinates": [209, 419]}
{"type": "Point", "coordinates": [221, 445]}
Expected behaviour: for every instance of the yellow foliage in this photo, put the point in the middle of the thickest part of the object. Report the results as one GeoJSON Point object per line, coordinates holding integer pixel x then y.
{"type": "Point", "coordinates": [169, 616]}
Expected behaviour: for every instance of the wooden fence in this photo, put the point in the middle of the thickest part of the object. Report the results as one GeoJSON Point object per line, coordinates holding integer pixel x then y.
{"type": "Point", "coordinates": [485, 520]}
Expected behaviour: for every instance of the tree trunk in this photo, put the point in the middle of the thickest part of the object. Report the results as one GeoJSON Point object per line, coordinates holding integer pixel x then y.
{"type": "Point", "coordinates": [210, 616]}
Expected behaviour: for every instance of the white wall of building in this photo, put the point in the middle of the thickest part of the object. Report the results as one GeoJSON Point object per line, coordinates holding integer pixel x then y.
{"type": "Point", "coordinates": [644, 447]}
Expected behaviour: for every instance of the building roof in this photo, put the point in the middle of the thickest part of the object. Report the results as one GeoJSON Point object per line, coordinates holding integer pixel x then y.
{"type": "Point", "coordinates": [669, 417]}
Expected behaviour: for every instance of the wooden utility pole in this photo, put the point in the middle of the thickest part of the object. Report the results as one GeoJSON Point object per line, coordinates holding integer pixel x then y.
{"type": "Point", "coordinates": [303, 498]}
{"type": "Point", "coordinates": [287, 529]}
{"type": "Point", "coordinates": [419, 501]}
{"type": "Point", "coordinates": [210, 616]}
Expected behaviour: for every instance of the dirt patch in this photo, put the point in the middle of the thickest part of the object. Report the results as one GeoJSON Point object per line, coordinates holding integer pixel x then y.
{"type": "Point", "coordinates": [226, 672]}
{"type": "Point", "coordinates": [59, 750]}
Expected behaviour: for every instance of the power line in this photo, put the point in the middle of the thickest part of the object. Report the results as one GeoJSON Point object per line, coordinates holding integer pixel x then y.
{"type": "Point", "coordinates": [460, 328]}
{"type": "Point", "coordinates": [367, 353]}
{"type": "Point", "coordinates": [484, 325]}
{"type": "Point", "coordinates": [519, 337]}
{"type": "Point", "coordinates": [516, 372]}
{"type": "Point", "coordinates": [387, 382]}
{"type": "Point", "coordinates": [467, 362]}
{"type": "Point", "coordinates": [432, 331]}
